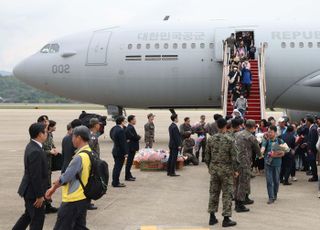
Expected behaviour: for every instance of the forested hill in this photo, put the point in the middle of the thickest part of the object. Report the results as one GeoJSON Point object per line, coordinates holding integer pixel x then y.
{"type": "Point", "coordinates": [14, 91]}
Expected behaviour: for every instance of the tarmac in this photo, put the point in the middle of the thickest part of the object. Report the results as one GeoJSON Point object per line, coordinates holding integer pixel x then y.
{"type": "Point", "coordinates": [154, 201]}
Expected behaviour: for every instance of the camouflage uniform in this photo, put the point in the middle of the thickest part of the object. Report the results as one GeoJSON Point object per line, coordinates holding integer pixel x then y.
{"type": "Point", "coordinates": [221, 159]}
{"type": "Point", "coordinates": [149, 134]}
{"type": "Point", "coordinates": [94, 144]}
{"type": "Point", "coordinates": [187, 151]}
{"type": "Point", "coordinates": [212, 128]}
{"type": "Point", "coordinates": [47, 146]}
{"type": "Point", "coordinates": [247, 143]}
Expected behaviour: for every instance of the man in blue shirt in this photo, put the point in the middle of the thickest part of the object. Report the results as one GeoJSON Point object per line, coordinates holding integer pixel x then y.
{"type": "Point", "coordinates": [273, 167]}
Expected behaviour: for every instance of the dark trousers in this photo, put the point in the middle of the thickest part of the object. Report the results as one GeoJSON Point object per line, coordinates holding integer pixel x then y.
{"type": "Point", "coordinates": [286, 167]}
{"type": "Point", "coordinates": [172, 161]}
{"type": "Point", "coordinates": [202, 147]}
{"type": "Point", "coordinates": [312, 158]}
{"type": "Point", "coordinates": [130, 159]}
{"type": "Point", "coordinates": [32, 216]}
{"type": "Point", "coordinates": [118, 164]}
{"type": "Point", "coordinates": [246, 89]}
{"type": "Point", "coordinates": [72, 215]}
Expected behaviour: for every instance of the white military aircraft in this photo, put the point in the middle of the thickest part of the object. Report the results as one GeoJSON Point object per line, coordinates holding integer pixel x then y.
{"type": "Point", "coordinates": [174, 65]}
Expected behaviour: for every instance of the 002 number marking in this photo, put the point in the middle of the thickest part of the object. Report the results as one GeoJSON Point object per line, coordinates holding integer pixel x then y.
{"type": "Point", "coordinates": [61, 69]}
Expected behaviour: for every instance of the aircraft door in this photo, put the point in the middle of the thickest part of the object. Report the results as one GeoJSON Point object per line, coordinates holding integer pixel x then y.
{"type": "Point", "coordinates": [98, 48]}
{"type": "Point", "coordinates": [221, 34]}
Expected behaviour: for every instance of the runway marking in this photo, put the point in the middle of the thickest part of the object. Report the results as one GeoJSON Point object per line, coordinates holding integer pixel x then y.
{"type": "Point", "coordinates": [171, 228]}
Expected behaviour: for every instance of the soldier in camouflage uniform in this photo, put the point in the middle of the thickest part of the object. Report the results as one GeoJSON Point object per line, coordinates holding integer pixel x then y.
{"type": "Point", "coordinates": [187, 150]}
{"type": "Point", "coordinates": [221, 159]}
{"type": "Point", "coordinates": [212, 128]}
{"type": "Point", "coordinates": [149, 131]}
{"type": "Point", "coordinates": [247, 144]}
{"type": "Point", "coordinates": [50, 149]}
{"type": "Point", "coordinates": [94, 137]}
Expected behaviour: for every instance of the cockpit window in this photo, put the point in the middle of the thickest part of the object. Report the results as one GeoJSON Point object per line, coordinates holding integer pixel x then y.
{"type": "Point", "coordinates": [45, 49]}
{"type": "Point", "coordinates": [50, 48]}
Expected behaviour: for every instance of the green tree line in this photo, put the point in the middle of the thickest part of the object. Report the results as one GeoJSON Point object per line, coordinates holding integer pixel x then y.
{"type": "Point", "coordinates": [14, 91]}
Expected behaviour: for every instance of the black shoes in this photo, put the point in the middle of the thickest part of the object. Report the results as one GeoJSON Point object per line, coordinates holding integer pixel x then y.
{"type": "Point", "coordinates": [120, 185]}
{"type": "Point", "coordinates": [50, 209]}
{"type": "Point", "coordinates": [227, 222]}
{"type": "Point", "coordinates": [287, 183]}
{"type": "Point", "coordinates": [92, 207]}
{"type": "Point", "coordinates": [313, 179]}
{"type": "Point", "coordinates": [213, 220]}
{"type": "Point", "coordinates": [131, 179]}
{"type": "Point", "coordinates": [240, 207]}
{"type": "Point", "coordinates": [248, 201]}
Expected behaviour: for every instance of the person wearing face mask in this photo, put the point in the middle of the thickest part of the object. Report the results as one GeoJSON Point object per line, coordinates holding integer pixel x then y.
{"type": "Point", "coordinates": [236, 92]}
{"type": "Point", "coordinates": [241, 104]}
{"type": "Point", "coordinates": [246, 81]}
{"type": "Point", "coordinates": [233, 78]}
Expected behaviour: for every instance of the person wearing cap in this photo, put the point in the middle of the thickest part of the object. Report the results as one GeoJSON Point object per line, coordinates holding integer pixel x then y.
{"type": "Point", "coordinates": [119, 150]}
{"type": "Point", "coordinates": [282, 128]}
{"type": "Point", "coordinates": [149, 130]}
{"type": "Point", "coordinates": [94, 126]}
{"type": "Point", "coordinates": [73, 210]}
{"type": "Point", "coordinates": [241, 104]}
{"type": "Point", "coordinates": [247, 145]}
{"type": "Point", "coordinates": [233, 77]}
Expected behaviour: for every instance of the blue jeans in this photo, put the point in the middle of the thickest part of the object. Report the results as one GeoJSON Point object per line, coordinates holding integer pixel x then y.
{"type": "Point", "coordinates": [273, 180]}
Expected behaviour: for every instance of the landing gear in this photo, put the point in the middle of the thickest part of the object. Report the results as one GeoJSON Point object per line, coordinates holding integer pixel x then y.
{"type": "Point", "coordinates": [115, 111]}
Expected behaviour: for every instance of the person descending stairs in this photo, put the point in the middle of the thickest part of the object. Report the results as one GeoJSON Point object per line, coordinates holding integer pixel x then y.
{"type": "Point", "coordinates": [254, 105]}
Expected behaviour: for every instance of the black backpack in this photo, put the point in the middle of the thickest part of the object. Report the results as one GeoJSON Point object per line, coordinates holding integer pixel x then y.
{"type": "Point", "coordinates": [98, 178]}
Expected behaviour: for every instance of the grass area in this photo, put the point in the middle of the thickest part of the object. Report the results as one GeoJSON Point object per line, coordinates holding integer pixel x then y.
{"type": "Point", "coordinates": [52, 106]}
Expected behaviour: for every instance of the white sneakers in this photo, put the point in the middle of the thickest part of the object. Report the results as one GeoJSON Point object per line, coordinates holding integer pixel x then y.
{"type": "Point", "coordinates": [294, 179]}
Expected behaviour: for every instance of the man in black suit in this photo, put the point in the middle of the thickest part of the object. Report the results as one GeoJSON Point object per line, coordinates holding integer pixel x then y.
{"type": "Point", "coordinates": [35, 179]}
{"type": "Point", "coordinates": [133, 145]}
{"type": "Point", "coordinates": [119, 150]}
{"type": "Point", "coordinates": [174, 145]}
{"type": "Point", "coordinates": [312, 150]}
{"type": "Point", "coordinates": [68, 150]}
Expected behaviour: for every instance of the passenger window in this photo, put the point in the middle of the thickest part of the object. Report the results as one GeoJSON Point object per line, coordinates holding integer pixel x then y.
{"type": "Point", "coordinates": [175, 46]}
{"type": "Point", "coordinates": [211, 45]}
{"type": "Point", "coordinates": [266, 45]}
{"type": "Point", "coordinates": [193, 45]}
{"type": "Point", "coordinates": [202, 45]}
{"type": "Point", "coordinates": [310, 44]}
{"type": "Point", "coordinates": [166, 45]}
{"type": "Point", "coordinates": [283, 45]}
{"type": "Point", "coordinates": [156, 45]}
{"type": "Point", "coordinates": [138, 46]}
{"type": "Point", "coordinates": [148, 46]}
{"type": "Point", "coordinates": [301, 44]}
{"type": "Point", "coordinates": [292, 44]}
{"type": "Point", "coordinates": [129, 46]}
{"type": "Point", "coordinates": [184, 45]}
{"type": "Point", "coordinates": [45, 49]}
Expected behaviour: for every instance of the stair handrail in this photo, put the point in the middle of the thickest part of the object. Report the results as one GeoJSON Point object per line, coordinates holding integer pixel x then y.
{"type": "Point", "coordinates": [262, 80]}
{"type": "Point", "coordinates": [224, 82]}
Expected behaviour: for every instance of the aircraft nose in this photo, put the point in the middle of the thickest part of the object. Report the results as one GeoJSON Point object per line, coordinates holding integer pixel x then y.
{"type": "Point", "coordinates": [19, 69]}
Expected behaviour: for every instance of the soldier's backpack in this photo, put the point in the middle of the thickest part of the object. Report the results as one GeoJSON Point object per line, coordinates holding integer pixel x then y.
{"type": "Point", "coordinates": [98, 178]}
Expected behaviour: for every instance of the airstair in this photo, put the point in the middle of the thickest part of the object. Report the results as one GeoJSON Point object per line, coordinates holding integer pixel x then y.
{"type": "Point", "coordinates": [257, 99]}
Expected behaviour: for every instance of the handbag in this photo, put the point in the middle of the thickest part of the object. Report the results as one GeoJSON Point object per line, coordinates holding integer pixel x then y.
{"type": "Point", "coordinates": [57, 162]}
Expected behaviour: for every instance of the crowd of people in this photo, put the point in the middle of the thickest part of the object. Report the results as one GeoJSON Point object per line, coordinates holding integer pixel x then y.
{"type": "Point", "coordinates": [234, 149]}
{"type": "Point", "coordinates": [242, 50]}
